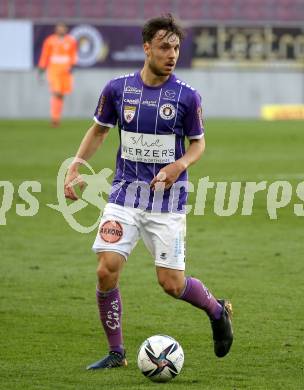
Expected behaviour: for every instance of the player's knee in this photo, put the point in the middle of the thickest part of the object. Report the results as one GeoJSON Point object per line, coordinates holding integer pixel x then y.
{"type": "Point", "coordinates": [103, 273]}
{"type": "Point", "coordinates": [107, 275]}
{"type": "Point", "coordinates": [58, 95]}
{"type": "Point", "coordinates": [171, 287]}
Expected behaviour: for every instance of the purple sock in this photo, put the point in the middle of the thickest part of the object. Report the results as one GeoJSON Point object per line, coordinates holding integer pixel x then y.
{"type": "Point", "coordinates": [110, 313]}
{"type": "Point", "coordinates": [199, 296]}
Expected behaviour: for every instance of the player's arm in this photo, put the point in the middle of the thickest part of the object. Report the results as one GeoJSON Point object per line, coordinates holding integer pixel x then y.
{"type": "Point", "coordinates": [93, 139]}
{"type": "Point", "coordinates": [193, 154]}
{"type": "Point", "coordinates": [105, 117]}
{"type": "Point", "coordinates": [73, 54]}
{"type": "Point", "coordinates": [170, 173]}
{"type": "Point", "coordinates": [45, 55]}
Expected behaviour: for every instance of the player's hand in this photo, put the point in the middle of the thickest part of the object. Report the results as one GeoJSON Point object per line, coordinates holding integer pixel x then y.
{"type": "Point", "coordinates": [167, 176]}
{"type": "Point", "coordinates": [73, 178]}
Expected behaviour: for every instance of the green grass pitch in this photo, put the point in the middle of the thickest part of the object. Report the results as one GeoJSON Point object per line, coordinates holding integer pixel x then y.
{"type": "Point", "coordinates": [49, 324]}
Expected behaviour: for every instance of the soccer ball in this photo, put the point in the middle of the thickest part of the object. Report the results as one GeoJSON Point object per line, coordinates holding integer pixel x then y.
{"type": "Point", "coordinates": [160, 358]}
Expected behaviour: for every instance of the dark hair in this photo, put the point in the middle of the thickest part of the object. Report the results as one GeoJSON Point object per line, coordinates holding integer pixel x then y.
{"type": "Point", "coordinates": [166, 22]}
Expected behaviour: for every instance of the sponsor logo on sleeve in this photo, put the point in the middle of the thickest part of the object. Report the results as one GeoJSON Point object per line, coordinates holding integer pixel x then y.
{"type": "Point", "coordinates": [129, 113]}
{"type": "Point", "coordinates": [101, 104]}
{"type": "Point", "coordinates": [167, 111]}
{"type": "Point", "coordinates": [200, 116]}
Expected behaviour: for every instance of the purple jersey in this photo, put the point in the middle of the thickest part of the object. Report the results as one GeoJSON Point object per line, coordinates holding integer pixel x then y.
{"type": "Point", "coordinates": [152, 123]}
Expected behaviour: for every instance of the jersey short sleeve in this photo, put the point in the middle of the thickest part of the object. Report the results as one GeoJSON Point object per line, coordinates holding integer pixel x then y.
{"type": "Point", "coordinates": [193, 120]}
{"type": "Point", "coordinates": [105, 113]}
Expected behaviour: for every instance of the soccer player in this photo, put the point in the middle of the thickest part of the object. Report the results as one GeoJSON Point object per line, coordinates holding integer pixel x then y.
{"type": "Point", "coordinates": [58, 56]}
{"type": "Point", "coordinates": [155, 112]}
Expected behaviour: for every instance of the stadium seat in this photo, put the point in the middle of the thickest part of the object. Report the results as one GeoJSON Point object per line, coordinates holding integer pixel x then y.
{"type": "Point", "coordinates": [37, 9]}
{"type": "Point", "coordinates": [157, 7]}
{"type": "Point", "coordinates": [94, 9]}
{"type": "Point", "coordinates": [221, 13]}
{"type": "Point", "coordinates": [4, 11]}
{"type": "Point", "coordinates": [22, 9]}
{"type": "Point", "coordinates": [289, 10]}
{"type": "Point", "coordinates": [186, 10]}
{"type": "Point", "coordinates": [62, 9]}
{"type": "Point", "coordinates": [298, 11]}
{"type": "Point", "coordinates": [193, 10]}
{"type": "Point", "coordinates": [128, 9]}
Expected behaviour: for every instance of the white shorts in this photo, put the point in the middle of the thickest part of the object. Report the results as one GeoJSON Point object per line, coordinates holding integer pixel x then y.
{"type": "Point", "coordinates": [163, 234]}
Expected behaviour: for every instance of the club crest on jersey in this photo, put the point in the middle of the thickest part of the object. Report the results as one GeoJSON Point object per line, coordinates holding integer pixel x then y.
{"type": "Point", "coordinates": [167, 111]}
{"type": "Point", "coordinates": [129, 113]}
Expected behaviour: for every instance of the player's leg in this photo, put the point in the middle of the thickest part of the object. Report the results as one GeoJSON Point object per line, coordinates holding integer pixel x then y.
{"type": "Point", "coordinates": [188, 289]}
{"type": "Point", "coordinates": [171, 280]}
{"type": "Point", "coordinates": [165, 238]}
{"type": "Point", "coordinates": [56, 108]}
{"type": "Point", "coordinates": [56, 83]}
{"type": "Point", "coordinates": [117, 235]}
{"type": "Point", "coordinates": [109, 304]}
{"type": "Point", "coordinates": [193, 291]}
{"type": "Point", "coordinates": [218, 310]}
{"type": "Point", "coordinates": [64, 87]}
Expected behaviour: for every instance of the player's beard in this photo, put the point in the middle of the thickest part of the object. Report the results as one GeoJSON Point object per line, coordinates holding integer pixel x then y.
{"type": "Point", "coordinates": [158, 72]}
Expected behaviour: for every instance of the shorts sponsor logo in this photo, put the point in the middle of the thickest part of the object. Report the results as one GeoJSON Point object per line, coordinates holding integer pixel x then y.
{"type": "Point", "coordinates": [111, 231]}
{"type": "Point", "coordinates": [167, 111]}
{"type": "Point", "coordinates": [179, 245]}
{"type": "Point", "coordinates": [129, 113]}
{"type": "Point", "coordinates": [135, 90]}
